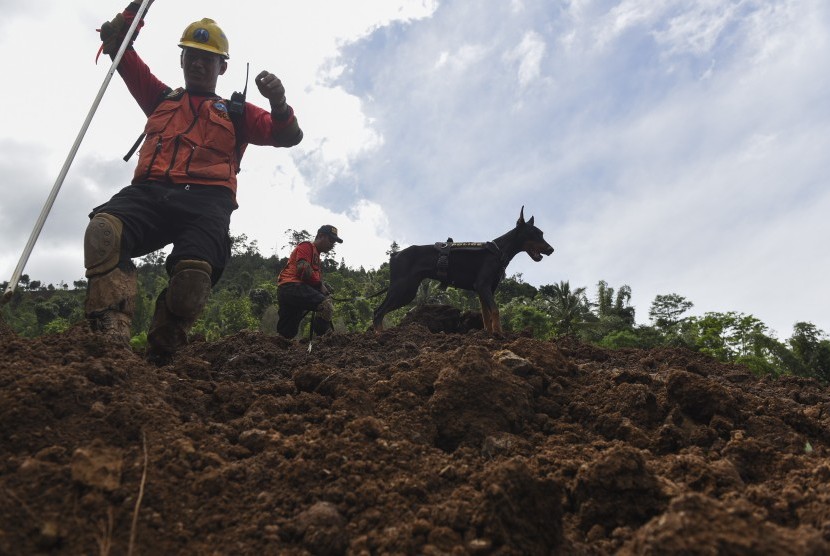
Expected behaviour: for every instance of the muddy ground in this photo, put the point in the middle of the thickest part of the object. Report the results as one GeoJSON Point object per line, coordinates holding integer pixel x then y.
{"type": "Point", "coordinates": [406, 442]}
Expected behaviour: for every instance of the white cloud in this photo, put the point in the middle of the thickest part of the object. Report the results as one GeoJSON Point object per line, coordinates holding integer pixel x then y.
{"type": "Point", "coordinates": [462, 59]}
{"type": "Point", "coordinates": [529, 54]}
{"type": "Point", "coordinates": [667, 145]}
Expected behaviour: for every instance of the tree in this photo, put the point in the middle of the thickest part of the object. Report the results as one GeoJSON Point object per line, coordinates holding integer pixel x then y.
{"type": "Point", "coordinates": [156, 259]}
{"type": "Point", "coordinates": [236, 315]}
{"type": "Point", "coordinates": [665, 311]}
{"type": "Point", "coordinates": [261, 298]}
{"type": "Point", "coordinates": [514, 287]}
{"type": "Point", "coordinates": [730, 336]}
{"type": "Point", "coordinates": [393, 249]}
{"type": "Point", "coordinates": [45, 312]}
{"type": "Point", "coordinates": [568, 308]}
{"type": "Point", "coordinates": [613, 312]}
{"type": "Point", "coordinates": [518, 315]}
{"type": "Point", "coordinates": [295, 238]}
{"type": "Point", "coordinates": [621, 339]}
{"type": "Point", "coordinates": [241, 246]}
{"type": "Point", "coordinates": [811, 347]}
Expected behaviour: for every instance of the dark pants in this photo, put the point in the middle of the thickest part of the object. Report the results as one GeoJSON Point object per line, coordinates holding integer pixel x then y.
{"type": "Point", "coordinates": [295, 301]}
{"type": "Point", "coordinates": [194, 218]}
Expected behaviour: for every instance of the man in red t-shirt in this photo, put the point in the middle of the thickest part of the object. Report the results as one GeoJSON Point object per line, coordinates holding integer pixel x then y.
{"type": "Point", "coordinates": [184, 187]}
{"type": "Point", "coordinates": [300, 286]}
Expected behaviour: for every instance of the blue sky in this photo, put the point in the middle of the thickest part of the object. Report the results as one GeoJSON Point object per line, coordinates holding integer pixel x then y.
{"type": "Point", "coordinates": [676, 147]}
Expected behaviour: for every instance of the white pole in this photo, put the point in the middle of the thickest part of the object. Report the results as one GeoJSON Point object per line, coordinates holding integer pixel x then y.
{"type": "Point", "coordinates": [70, 157]}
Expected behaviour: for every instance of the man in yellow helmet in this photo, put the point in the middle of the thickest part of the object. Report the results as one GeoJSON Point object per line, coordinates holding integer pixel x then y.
{"type": "Point", "coordinates": [184, 187]}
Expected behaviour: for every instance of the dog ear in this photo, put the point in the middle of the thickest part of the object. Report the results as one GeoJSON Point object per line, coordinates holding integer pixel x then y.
{"type": "Point", "coordinates": [521, 219]}
{"type": "Point", "coordinates": [530, 222]}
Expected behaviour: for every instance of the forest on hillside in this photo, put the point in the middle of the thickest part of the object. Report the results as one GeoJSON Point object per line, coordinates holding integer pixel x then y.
{"type": "Point", "coordinates": [245, 299]}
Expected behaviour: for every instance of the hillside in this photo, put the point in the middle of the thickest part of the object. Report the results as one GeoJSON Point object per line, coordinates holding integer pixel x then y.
{"type": "Point", "coordinates": [406, 442]}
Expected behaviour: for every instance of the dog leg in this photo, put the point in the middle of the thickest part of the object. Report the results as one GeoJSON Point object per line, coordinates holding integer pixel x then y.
{"type": "Point", "coordinates": [377, 317]}
{"type": "Point", "coordinates": [399, 294]}
{"type": "Point", "coordinates": [489, 310]}
{"type": "Point", "coordinates": [485, 315]}
{"type": "Point", "coordinates": [495, 320]}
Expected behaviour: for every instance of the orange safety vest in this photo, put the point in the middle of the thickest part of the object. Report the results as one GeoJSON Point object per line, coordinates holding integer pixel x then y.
{"type": "Point", "coordinates": [187, 146]}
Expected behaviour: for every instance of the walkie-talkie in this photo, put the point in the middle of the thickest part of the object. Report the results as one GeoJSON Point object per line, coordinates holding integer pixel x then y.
{"type": "Point", "coordinates": [236, 110]}
{"type": "Point", "coordinates": [236, 106]}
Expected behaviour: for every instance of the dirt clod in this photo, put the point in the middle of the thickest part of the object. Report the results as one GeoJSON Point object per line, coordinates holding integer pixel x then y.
{"type": "Point", "coordinates": [410, 441]}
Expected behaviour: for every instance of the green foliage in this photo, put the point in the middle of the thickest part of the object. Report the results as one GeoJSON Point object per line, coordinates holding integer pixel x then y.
{"type": "Point", "coordinates": [614, 306]}
{"type": "Point", "coordinates": [57, 326]}
{"type": "Point", "coordinates": [521, 314]}
{"type": "Point", "coordinates": [393, 249]}
{"type": "Point", "coordinates": [236, 315]}
{"type": "Point", "coordinates": [811, 350]}
{"type": "Point", "coordinates": [139, 341]}
{"type": "Point", "coordinates": [513, 287]}
{"type": "Point", "coordinates": [621, 339]}
{"type": "Point", "coordinates": [569, 309]}
{"type": "Point", "coordinates": [246, 298]}
{"type": "Point", "coordinates": [729, 336]}
{"type": "Point", "coordinates": [665, 311]}
{"type": "Point", "coordinates": [759, 365]}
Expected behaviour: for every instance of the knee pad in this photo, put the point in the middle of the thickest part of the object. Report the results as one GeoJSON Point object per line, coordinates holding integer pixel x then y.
{"type": "Point", "coordinates": [189, 288]}
{"type": "Point", "coordinates": [102, 244]}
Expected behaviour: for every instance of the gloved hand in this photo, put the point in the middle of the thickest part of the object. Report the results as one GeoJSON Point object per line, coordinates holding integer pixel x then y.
{"type": "Point", "coordinates": [325, 310]}
{"type": "Point", "coordinates": [112, 34]}
{"type": "Point", "coordinates": [271, 87]}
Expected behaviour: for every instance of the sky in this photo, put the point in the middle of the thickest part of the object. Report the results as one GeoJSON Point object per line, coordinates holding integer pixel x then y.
{"type": "Point", "coordinates": [671, 146]}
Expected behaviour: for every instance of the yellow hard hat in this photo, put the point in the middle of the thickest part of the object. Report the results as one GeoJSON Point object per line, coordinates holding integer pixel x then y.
{"type": "Point", "coordinates": [205, 34]}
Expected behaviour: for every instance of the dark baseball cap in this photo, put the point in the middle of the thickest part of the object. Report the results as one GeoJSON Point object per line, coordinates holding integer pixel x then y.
{"type": "Point", "coordinates": [330, 230]}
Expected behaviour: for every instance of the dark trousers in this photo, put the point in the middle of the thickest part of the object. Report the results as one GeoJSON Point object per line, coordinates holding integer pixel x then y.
{"type": "Point", "coordinates": [194, 218]}
{"type": "Point", "coordinates": [295, 301]}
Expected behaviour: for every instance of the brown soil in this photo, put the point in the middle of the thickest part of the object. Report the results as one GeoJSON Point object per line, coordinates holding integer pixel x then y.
{"type": "Point", "coordinates": [405, 442]}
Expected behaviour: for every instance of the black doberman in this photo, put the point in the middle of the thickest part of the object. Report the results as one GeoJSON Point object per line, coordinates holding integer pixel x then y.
{"type": "Point", "coordinates": [479, 267]}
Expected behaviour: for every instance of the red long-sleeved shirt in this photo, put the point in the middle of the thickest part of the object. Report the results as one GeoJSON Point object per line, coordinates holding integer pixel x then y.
{"type": "Point", "coordinates": [258, 127]}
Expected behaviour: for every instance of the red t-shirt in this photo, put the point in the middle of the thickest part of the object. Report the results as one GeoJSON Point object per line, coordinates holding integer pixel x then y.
{"type": "Point", "coordinates": [308, 252]}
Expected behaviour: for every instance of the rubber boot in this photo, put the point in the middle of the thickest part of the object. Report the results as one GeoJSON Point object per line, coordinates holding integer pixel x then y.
{"type": "Point", "coordinates": [167, 333]}
{"type": "Point", "coordinates": [321, 326]}
{"type": "Point", "coordinates": [177, 309]}
{"type": "Point", "coordinates": [110, 303]}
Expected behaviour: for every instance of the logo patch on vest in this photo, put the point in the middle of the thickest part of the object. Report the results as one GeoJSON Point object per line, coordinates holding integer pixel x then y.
{"type": "Point", "coordinates": [222, 109]}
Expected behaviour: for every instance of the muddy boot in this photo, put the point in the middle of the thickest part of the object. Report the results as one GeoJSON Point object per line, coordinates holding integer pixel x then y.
{"type": "Point", "coordinates": [321, 326]}
{"type": "Point", "coordinates": [177, 309]}
{"type": "Point", "coordinates": [167, 333]}
{"type": "Point", "coordinates": [110, 303]}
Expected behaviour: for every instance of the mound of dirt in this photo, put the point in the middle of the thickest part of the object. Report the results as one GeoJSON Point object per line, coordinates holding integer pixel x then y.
{"type": "Point", "coordinates": [405, 442]}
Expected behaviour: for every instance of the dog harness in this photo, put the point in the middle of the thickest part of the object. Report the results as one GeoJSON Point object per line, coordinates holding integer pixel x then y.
{"type": "Point", "coordinates": [444, 248]}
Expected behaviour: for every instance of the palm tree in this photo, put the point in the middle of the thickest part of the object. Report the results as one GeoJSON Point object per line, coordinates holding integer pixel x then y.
{"type": "Point", "coordinates": [568, 308]}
